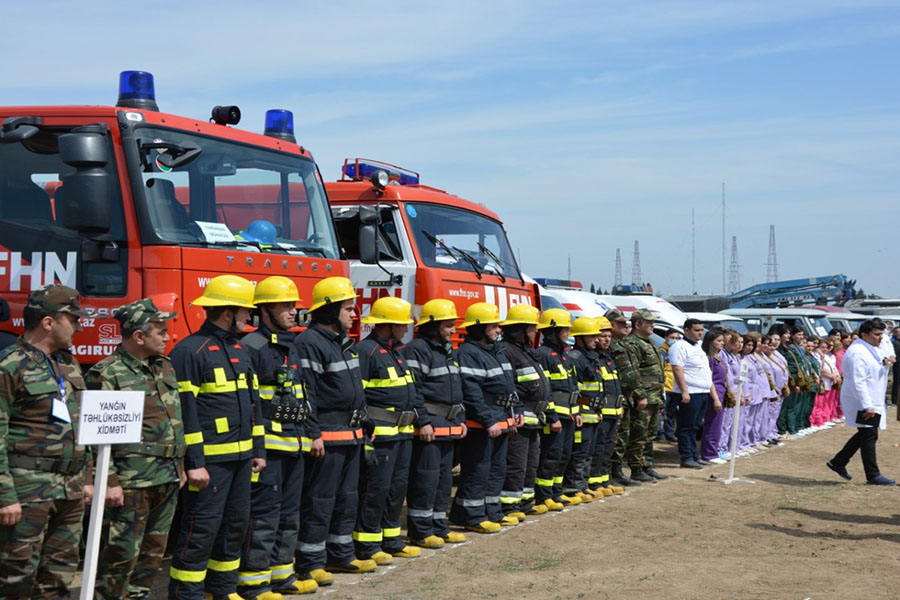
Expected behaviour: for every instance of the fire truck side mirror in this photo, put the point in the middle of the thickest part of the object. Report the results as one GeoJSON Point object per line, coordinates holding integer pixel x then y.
{"type": "Point", "coordinates": [368, 243]}
{"type": "Point", "coordinates": [83, 200]}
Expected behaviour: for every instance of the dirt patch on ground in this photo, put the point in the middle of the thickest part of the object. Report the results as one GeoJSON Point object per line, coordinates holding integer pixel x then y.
{"type": "Point", "coordinates": [799, 532]}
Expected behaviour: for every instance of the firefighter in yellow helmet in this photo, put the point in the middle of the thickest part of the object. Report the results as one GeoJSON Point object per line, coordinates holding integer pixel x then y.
{"type": "Point", "coordinates": [610, 413]}
{"type": "Point", "coordinates": [492, 408]}
{"type": "Point", "coordinates": [337, 403]}
{"type": "Point", "coordinates": [533, 388]}
{"type": "Point", "coordinates": [432, 360]}
{"type": "Point", "coordinates": [557, 440]}
{"type": "Point", "coordinates": [267, 561]}
{"type": "Point", "coordinates": [392, 403]}
{"type": "Point", "coordinates": [225, 444]}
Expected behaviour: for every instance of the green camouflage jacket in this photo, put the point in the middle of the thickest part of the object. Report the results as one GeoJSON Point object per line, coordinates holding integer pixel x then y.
{"type": "Point", "coordinates": [157, 459]}
{"type": "Point", "coordinates": [649, 366]}
{"type": "Point", "coordinates": [47, 464]}
{"type": "Point", "coordinates": [626, 370]}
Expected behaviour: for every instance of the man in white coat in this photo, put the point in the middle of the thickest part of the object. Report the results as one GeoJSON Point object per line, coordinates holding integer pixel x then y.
{"type": "Point", "coordinates": [863, 392]}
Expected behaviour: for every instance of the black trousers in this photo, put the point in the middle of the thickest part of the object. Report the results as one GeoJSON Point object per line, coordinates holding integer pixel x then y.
{"type": "Point", "coordinates": [208, 551]}
{"type": "Point", "coordinates": [267, 555]}
{"type": "Point", "coordinates": [521, 468]}
{"type": "Point", "coordinates": [606, 439]}
{"type": "Point", "coordinates": [430, 485]}
{"type": "Point", "coordinates": [863, 440]}
{"type": "Point", "coordinates": [328, 509]}
{"type": "Point", "coordinates": [482, 472]}
{"type": "Point", "coordinates": [579, 467]}
{"type": "Point", "coordinates": [382, 488]}
{"type": "Point", "coordinates": [556, 449]}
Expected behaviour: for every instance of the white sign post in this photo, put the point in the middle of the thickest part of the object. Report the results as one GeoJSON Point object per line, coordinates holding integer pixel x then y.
{"type": "Point", "coordinates": [745, 373]}
{"type": "Point", "coordinates": [107, 417]}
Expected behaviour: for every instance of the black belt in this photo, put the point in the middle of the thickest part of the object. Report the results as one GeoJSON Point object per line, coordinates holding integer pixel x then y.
{"type": "Point", "coordinates": [502, 400]}
{"type": "Point", "coordinates": [396, 418]}
{"type": "Point", "coordinates": [152, 449]}
{"type": "Point", "coordinates": [538, 407]}
{"type": "Point", "coordinates": [566, 399]}
{"type": "Point", "coordinates": [446, 411]}
{"type": "Point", "coordinates": [613, 401]}
{"type": "Point", "coordinates": [347, 418]}
{"type": "Point", "coordinates": [594, 403]}
{"type": "Point", "coordinates": [286, 413]}
{"type": "Point", "coordinates": [63, 466]}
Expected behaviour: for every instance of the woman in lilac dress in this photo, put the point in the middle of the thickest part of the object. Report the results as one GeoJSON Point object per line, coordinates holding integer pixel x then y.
{"type": "Point", "coordinates": [750, 396]}
{"type": "Point", "coordinates": [734, 341]}
{"type": "Point", "coordinates": [712, 344]}
{"type": "Point", "coordinates": [770, 393]}
{"type": "Point", "coordinates": [780, 376]}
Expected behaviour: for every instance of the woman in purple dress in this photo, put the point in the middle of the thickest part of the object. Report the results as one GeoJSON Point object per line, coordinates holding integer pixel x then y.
{"type": "Point", "coordinates": [712, 345]}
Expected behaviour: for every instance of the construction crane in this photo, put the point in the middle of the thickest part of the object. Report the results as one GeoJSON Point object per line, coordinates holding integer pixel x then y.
{"type": "Point", "coordinates": [831, 289]}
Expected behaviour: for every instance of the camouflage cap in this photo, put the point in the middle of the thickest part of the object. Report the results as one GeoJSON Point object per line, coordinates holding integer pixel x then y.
{"type": "Point", "coordinates": [643, 314]}
{"type": "Point", "coordinates": [133, 315]}
{"type": "Point", "coordinates": [57, 298]}
{"type": "Point", "coordinates": [616, 316]}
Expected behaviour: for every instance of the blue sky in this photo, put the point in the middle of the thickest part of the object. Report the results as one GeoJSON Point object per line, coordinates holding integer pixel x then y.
{"type": "Point", "coordinates": [585, 125]}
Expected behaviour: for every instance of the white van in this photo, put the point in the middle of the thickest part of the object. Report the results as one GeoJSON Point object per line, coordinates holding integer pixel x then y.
{"type": "Point", "coordinates": [812, 322]}
{"type": "Point", "coordinates": [585, 304]}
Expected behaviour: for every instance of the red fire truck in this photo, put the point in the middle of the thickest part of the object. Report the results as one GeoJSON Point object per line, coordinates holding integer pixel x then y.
{"type": "Point", "coordinates": [417, 242]}
{"type": "Point", "coordinates": [127, 202]}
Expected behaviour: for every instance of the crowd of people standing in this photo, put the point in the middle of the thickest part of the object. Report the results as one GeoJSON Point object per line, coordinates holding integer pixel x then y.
{"type": "Point", "coordinates": [293, 455]}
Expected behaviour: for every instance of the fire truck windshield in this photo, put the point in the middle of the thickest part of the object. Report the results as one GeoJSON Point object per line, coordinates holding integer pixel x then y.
{"type": "Point", "coordinates": [454, 238]}
{"type": "Point", "coordinates": [233, 194]}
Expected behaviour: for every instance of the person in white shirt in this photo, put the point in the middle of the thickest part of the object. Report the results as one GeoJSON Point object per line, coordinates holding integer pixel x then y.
{"type": "Point", "coordinates": [693, 382]}
{"type": "Point", "coordinates": [862, 395]}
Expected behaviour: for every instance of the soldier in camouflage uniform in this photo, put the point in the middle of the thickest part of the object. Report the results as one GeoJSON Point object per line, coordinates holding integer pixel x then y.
{"type": "Point", "coordinates": [42, 469]}
{"type": "Point", "coordinates": [650, 379]}
{"type": "Point", "coordinates": [630, 409]}
{"type": "Point", "coordinates": [144, 478]}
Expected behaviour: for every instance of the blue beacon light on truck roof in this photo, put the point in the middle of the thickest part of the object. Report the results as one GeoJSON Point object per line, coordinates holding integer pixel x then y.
{"type": "Point", "coordinates": [280, 124]}
{"type": "Point", "coordinates": [136, 90]}
{"type": "Point", "coordinates": [360, 169]}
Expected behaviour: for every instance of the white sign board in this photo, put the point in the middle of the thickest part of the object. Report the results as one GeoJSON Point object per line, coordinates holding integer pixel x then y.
{"type": "Point", "coordinates": [215, 232]}
{"type": "Point", "coordinates": [110, 417]}
{"type": "Point", "coordinates": [745, 371]}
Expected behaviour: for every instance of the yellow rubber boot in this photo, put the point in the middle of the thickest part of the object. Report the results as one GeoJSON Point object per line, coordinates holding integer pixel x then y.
{"type": "Point", "coordinates": [538, 509]}
{"type": "Point", "coordinates": [432, 541]}
{"type": "Point", "coordinates": [454, 537]}
{"type": "Point", "coordinates": [617, 490]}
{"type": "Point", "coordinates": [570, 500]}
{"type": "Point", "coordinates": [509, 521]}
{"type": "Point", "coordinates": [584, 497]}
{"type": "Point", "coordinates": [408, 552]}
{"type": "Point", "coordinates": [518, 514]}
{"type": "Point", "coordinates": [484, 527]}
{"type": "Point", "coordinates": [322, 577]}
{"type": "Point", "coordinates": [381, 558]}
{"type": "Point", "coordinates": [301, 586]}
{"type": "Point", "coordinates": [552, 504]}
{"type": "Point", "coordinates": [354, 566]}
{"type": "Point", "coordinates": [270, 596]}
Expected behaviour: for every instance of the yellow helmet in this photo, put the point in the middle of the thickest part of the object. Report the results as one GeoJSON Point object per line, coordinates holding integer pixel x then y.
{"type": "Point", "coordinates": [276, 289]}
{"type": "Point", "coordinates": [585, 326]}
{"type": "Point", "coordinates": [603, 323]}
{"type": "Point", "coordinates": [227, 290]}
{"type": "Point", "coordinates": [331, 290]}
{"type": "Point", "coordinates": [522, 314]}
{"type": "Point", "coordinates": [555, 317]}
{"type": "Point", "coordinates": [438, 309]}
{"type": "Point", "coordinates": [389, 310]}
{"type": "Point", "coordinates": [481, 313]}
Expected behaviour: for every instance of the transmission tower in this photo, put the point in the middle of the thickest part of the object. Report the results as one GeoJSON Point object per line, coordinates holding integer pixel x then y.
{"type": "Point", "coordinates": [772, 264]}
{"type": "Point", "coordinates": [618, 267]}
{"type": "Point", "coordinates": [636, 277]}
{"type": "Point", "coordinates": [734, 271]}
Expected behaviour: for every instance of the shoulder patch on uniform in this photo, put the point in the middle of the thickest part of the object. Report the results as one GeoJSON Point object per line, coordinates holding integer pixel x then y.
{"type": "Point", "coordinates": [255, 340]}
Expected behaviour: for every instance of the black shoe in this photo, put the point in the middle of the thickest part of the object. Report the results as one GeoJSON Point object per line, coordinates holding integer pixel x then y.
{"type": "Point", "coordinates": [881, 480]}
{"type": "Point", "coordinates": [652, 473]}
{"type": "Point", "coordinates": [639, 475]}
{"type": "Point", "coordinates": [842, 471]}
{"type": "Point", "coordinates": [691, 464]}
{"type": "Point", "coordinates": [704, 462]}
{"type": "Point", "coordinates": [671, 439]}
{"type": "Point", "coordinates": [619, 478]}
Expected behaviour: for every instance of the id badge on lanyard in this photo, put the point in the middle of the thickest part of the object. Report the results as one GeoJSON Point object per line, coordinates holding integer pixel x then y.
{"type": "Point", "coordinates": [59, 410]}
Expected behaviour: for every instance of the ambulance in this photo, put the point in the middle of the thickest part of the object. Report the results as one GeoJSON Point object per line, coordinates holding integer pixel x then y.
{"type": "Point", "coordinates": [125, 202]}
{"type": "Point", "coordinates": [409, 240]}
